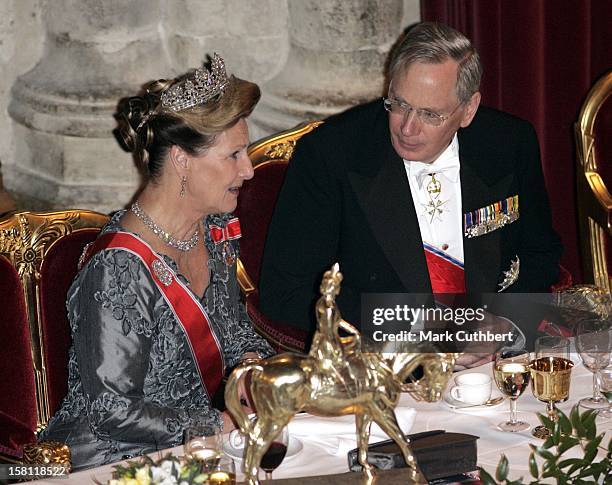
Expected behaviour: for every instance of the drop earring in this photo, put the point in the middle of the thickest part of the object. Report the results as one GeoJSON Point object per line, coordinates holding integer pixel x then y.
{"type": "Point", "coordinates": [183, 184]}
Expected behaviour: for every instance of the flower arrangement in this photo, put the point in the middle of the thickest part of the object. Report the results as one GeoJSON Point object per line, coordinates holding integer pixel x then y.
{"type": "Point", "coordinates": [168, 470]}
{"type": "Point", "coordinates": [566, 433]}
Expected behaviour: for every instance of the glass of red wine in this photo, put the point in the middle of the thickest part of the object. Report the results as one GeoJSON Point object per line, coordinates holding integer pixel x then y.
{"type": "Point", "coordinates": [275, 454]}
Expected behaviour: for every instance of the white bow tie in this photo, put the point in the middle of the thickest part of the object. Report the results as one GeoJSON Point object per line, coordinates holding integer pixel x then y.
{"type": "Point", "coordinates": [451, 172]}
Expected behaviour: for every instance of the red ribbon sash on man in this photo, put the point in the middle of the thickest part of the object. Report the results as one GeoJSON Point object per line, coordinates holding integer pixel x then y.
{"type": "Point", "coordinates": [446, 274]}
{"type": "Point", "coordinates": [188, 311]}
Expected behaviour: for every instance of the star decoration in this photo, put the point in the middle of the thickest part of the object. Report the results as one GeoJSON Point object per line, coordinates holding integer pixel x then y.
{"type": "Point", "coordinates": [434, 208]}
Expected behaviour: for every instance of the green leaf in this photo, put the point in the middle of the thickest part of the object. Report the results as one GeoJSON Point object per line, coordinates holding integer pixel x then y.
{"type": "Point", "coordinates": [576, 422]}
{"type": "Point", "coordinates": [547, 455]}
{"type": "Point", "coordinates": [588, 421]}
{"type": "Point", "coordinates": [588, 472]}
{"type": "Point", "coordinates": [533, 465]}
{"type": "Point", "coordinates": [548, 443]}
{"type": "Point", "coordinates": [552, 472]}
{"type": "Point", "coordinates": [485, 477]}
{"type": "Point", "coordinates": [569, 462]}
{"type": "Point", "coordinates": [577, 466]}
{"type": "Point", "coordinates": [502, 469]}
{"type": "Point", "coordinates": [556, 437]}
{"type": "Point", "coordinates": [567, 442]}
{"type": "Point", "coordinates": [598, 468]}
{"type": "Point", "coordinates": [546, 421]}
{"type": "Point", "coordinates": [550, 469]}
{"type": "Point", "coordinates": [566, 425]}
{"type": "Point", "coordinates": [590, 450]}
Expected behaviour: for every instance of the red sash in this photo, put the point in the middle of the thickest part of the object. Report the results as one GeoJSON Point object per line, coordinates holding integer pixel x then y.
{"type": "Point", "coordinates": [186, 308]}
{"type": "Point", "coordinates": [446, 274]}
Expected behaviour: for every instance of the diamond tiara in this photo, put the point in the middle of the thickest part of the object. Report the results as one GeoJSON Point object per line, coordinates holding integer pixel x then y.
{"type": "Point", "coordinates": [197, 88]}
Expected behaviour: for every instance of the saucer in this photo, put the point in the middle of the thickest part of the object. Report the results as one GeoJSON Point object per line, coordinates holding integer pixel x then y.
{"type": "Point", "coordinates": [295, 446]}
{"type": "Point", "coordinates": [462, 407]}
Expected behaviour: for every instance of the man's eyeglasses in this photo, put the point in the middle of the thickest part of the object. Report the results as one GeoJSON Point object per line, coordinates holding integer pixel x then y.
{"type": "Point", "coordinates": [424, 115]}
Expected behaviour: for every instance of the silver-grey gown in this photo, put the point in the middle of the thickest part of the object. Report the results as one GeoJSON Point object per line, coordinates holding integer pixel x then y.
{"type": "Point", "coordinates": [133, 385]}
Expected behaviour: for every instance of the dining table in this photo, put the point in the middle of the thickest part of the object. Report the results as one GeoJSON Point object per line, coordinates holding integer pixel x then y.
{"type": "Point", "coordinates": [321, 444]}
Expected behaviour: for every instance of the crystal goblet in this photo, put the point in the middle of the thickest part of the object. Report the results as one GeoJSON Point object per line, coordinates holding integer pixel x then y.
{"type": "Point", "coordinates": [203, 443]}
{"type": "Point", "coordinates": [512, 375]}
{"type": "Point", "coordinates": [606, 390]}
{"type": "Point", "coordinates": [594, 345]}
{"type": "Point", "coordinates": [221, 473]}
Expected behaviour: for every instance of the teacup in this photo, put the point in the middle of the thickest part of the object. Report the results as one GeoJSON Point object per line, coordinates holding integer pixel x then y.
{"type": "Point", "coordinates": [236, 439]}
{"type": "Point", "coordinates": [473, 388]}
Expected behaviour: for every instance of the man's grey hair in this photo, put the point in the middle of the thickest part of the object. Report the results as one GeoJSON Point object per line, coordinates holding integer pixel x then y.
{"type": "Point", "coordinates": [433, 43]}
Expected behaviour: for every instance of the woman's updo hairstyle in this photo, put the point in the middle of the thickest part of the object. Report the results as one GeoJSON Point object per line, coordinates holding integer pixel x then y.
{"type": "Point", "coordinates": [195, 109]}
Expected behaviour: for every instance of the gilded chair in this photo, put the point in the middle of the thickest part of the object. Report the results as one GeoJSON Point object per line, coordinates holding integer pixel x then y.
{"type": "Point", "coordinates": [270, 157]}
{"type": "Point", "coordinates": [43, 250]}
{"type": "Point", "coordinates": [593, 132]}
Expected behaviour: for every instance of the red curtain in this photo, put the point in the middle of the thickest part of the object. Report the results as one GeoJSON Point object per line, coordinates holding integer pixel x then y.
{"type": "Point", "coordinates": [540, 59]}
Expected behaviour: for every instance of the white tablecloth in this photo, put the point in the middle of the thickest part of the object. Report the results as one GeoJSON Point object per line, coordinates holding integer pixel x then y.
{"type": "Point", "coordinates": [319, 458]}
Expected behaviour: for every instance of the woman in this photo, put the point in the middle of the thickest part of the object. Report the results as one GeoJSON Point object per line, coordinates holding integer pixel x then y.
{"type": "Point", "coordinates": [155, 311]}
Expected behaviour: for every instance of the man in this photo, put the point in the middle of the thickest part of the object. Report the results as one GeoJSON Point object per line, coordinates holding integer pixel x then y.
{"type": "Point", "coordinates": [424, 192]}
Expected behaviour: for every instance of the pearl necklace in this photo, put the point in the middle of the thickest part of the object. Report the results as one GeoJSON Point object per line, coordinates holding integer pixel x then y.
{"type": "Point", "coordinates": [180, 244]}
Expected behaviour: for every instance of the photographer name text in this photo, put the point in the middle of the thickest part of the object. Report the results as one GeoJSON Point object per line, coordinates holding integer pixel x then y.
{"type": "Point", "coordinates": [444, 336]}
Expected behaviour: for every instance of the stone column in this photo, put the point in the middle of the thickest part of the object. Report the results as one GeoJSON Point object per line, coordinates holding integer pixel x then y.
{"type": "Point", "coordinates": [96, 52]}
{"type": "Point", "coordinates": [336, 58]}
{"type": "Point", "coordinates": [251, 35]}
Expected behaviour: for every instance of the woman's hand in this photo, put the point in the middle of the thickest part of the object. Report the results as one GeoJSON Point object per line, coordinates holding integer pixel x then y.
{"type": "Point", "coordinates": [469, 360]}
{"type": "Point", "coordinates": [250, 356]}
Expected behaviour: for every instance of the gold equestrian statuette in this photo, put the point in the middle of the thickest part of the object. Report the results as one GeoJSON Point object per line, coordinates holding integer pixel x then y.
{"type": "Point", "coordinates": [335, 379]}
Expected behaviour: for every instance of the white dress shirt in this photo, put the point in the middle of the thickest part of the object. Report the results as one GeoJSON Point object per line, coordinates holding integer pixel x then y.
{"type": "Point", "coordinates": [441, 228]}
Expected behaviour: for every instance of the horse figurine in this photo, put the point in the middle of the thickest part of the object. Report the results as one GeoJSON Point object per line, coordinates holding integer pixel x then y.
{"type": "Point", "coordinates": [335, 379]}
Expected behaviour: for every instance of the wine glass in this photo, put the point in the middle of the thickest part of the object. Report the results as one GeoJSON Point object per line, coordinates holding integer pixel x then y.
{"type": "Point", "coordinates": [550, 376]}
{"type": "Point", "coordinates": [221, 473]}
{"type": "Point", "coordinates": [512, 376]}
{"type": "Point", "coordinates": [606, 390]}
{"type": "Point", "coordinates": [203, 443]}
{"type": "Point", "coordinates": [552, 346]}
{"type": "Point", "coordinates": [594, 344]}
{"type": "Point", "coordinates": [275, 453]}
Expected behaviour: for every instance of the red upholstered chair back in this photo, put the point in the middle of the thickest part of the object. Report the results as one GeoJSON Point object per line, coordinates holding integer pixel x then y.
{"type": "Point", "coordinates": [18, 415]}
{"type": "Point", "coordinates": [257, 200]}
{"type": "Point", "coordinates": [270, 157]}
{"type": "Point", "coordinates": [44, 249]}
{"type": "Point", "coordinates": [594, 174]}
{"type": "Point", "coordinates": [58, 269]}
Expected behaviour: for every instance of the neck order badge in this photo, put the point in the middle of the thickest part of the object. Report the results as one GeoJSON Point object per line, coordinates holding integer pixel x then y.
{"type": "Point", "coordinates": [434, 207]}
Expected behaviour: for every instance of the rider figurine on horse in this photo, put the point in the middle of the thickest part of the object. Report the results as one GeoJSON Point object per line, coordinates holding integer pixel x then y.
{"type": "Point", "coordinates": [335, 379]}
{"type": "Point", "coordinates": [328, 347]}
